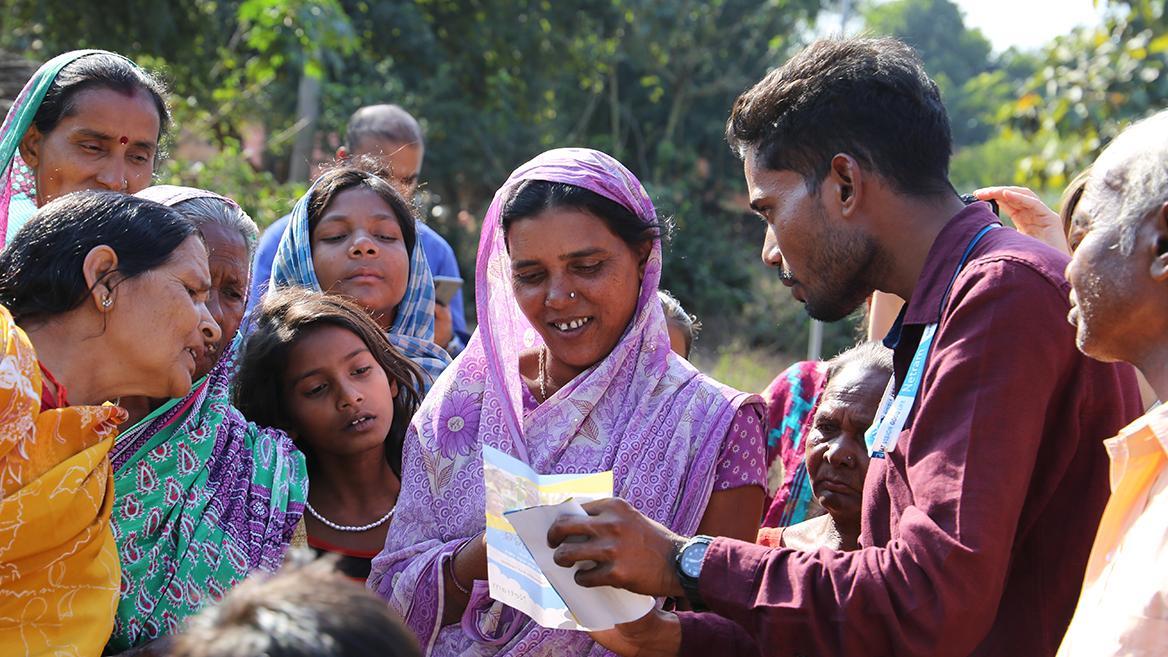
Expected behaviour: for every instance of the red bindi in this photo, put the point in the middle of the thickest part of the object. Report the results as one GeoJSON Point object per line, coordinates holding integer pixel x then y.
{"type": "Point", "coordinates": [124, 140]}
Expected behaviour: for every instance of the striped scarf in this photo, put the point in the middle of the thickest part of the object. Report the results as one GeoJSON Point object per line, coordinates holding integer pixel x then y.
{"type": "Point", "coordinates": [412, 331]}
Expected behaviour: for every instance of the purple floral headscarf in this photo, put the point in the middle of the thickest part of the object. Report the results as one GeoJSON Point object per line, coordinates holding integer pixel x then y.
{"type": "Point", "coordinates": [642, 412]}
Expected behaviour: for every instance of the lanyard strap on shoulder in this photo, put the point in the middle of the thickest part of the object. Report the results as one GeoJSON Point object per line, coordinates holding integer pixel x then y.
{"type": "Point", "coordinates": [897, 404]}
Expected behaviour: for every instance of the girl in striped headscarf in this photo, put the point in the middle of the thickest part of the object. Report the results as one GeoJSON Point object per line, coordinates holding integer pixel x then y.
{"type": "Point", "coordinates": [353, 234]}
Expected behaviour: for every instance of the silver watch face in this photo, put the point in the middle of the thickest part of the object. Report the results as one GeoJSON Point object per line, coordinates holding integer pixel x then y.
{"type": "Point", "coordinates": [692, 557]}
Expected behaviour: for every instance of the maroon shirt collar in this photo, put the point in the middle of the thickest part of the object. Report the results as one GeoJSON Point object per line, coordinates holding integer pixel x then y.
{"type": "Point", "coordinates": [941, 264]}
{"type": "Point", "coordinates": [924, 307]}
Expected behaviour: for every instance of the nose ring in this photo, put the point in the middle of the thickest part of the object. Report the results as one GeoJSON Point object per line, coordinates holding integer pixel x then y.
{"type": "Point", "coordinates": [850, 459]}
{"type": "Point", "coordinates": [571, 295]}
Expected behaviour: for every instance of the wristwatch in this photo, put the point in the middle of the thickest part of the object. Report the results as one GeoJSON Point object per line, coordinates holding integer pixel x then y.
{"type": "Point", "coordinates": [688, 561]}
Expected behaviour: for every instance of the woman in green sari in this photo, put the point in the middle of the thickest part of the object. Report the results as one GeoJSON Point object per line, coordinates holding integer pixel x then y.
{"type": "Point", "coordinates": [88, 119]}
{"type": "Point", "coordinates": [203, 497]}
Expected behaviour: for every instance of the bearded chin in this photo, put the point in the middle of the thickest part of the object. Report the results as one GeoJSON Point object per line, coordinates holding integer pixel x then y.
{"type": "Point", "coordinates": [851, 288]}
{"type": "Point", "coordinates": [833, 310]}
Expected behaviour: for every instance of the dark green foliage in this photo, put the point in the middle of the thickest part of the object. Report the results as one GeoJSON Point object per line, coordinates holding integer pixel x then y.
{"type": "Point", "coordinates": [974, 83]}
{"type": "Point", "coordinates": [494, 82]}
{"type": "Point", "coordinates": [1089, 86]}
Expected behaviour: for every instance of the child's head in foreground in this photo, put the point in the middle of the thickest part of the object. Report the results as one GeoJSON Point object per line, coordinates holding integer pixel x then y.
{"type": "Point", "coordinates": [306, 610]}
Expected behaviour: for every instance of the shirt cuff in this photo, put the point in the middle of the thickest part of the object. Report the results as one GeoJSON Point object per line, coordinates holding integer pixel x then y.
{"type": "Point", "coordinates": [731, 575]}
{"type": "Point", "coordinates": [770, 536]}
{"type": "Point", "coordinates": [707, 634]}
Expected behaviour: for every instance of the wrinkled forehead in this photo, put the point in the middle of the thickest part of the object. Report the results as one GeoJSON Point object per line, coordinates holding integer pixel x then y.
{"type": "Point", "coordinates": [1111, 170]}
{"type": "Point", "coordinates": [400, 155]}
{"type": "Point", "coordinates": [1103, 193]}
{"type": "Point", "coordinates": [112, 114]}
{"type": "Point", "coordinates": [854, 383]}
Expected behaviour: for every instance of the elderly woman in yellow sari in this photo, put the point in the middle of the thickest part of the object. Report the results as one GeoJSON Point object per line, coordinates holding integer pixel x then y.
{"type": "Point", "coordinates": [101, 295]}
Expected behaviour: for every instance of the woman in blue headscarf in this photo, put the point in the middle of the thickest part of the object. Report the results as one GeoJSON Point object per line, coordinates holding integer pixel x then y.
{"type": "Point", "coordinates": [353, 234]}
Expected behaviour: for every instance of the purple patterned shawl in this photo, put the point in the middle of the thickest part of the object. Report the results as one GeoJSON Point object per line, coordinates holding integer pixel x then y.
{"type": "Point", "coordinates": [642, 412]}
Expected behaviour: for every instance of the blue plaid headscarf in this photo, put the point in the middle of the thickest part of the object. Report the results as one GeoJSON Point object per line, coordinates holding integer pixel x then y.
{"type": "Point", "coordinates": [412, 331]}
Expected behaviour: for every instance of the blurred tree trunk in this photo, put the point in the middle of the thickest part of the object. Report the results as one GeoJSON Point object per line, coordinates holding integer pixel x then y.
{"type": "Point", "coordinates": [307, 117]}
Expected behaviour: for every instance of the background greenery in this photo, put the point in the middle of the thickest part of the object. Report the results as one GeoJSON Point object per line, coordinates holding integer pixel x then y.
{"type": "Point", "coordinates": [497, 81]}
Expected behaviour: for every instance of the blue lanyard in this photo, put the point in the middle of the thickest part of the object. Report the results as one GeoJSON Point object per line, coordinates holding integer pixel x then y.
{"type": "Point", "coordinates": [895, 408]}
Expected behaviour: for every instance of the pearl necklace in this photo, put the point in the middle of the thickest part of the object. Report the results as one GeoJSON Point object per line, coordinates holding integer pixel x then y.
{"type": "Point", "coordinates": [350, 528]}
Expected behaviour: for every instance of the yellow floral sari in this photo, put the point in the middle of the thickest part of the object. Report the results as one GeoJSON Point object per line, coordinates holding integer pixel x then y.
{"type": "Point", "coordinates": [59, 572]}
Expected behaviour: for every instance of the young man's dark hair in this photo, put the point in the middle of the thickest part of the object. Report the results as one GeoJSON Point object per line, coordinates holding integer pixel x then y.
{"type": "Point", "coordinates": [869, 98]}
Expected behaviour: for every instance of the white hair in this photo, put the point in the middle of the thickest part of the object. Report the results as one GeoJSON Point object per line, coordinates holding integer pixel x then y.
{"type": "Point", "coordinates": [676, 314]}
{"type": "Point", "coordinates": [1134, 168]}
{"type": "Point", "coordinates": [867, 355]}
{"type": "Point", "coordinates": [207, 209]}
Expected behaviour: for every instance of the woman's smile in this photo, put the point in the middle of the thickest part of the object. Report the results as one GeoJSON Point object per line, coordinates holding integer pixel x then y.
{"type": "Point", "coordinates": [571, 327]}
{"type": "Point", "coordinates": [576, 281]}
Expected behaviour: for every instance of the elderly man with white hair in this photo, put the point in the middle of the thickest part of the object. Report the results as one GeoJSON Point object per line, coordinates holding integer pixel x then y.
{"type": "Point", "coordinates": [1119, 278]}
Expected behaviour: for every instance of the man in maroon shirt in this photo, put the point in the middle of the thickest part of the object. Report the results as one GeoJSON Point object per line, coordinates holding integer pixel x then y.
{"type": "Point", "coordinates": [978, 520]}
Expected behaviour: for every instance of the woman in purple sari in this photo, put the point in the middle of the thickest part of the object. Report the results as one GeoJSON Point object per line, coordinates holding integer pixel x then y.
{"type": "Point", "coordinates": [571, 372]}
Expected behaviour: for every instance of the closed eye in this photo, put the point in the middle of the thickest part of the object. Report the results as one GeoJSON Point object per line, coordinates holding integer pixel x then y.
{"type": "Point", "coordinates": [588, 267]}
{"type": "Point", "coordinates": [527, 278]}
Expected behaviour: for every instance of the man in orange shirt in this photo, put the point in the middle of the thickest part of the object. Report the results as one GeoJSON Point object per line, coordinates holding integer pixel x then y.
{"type": "Point", "coordinates": [1119, 278]}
